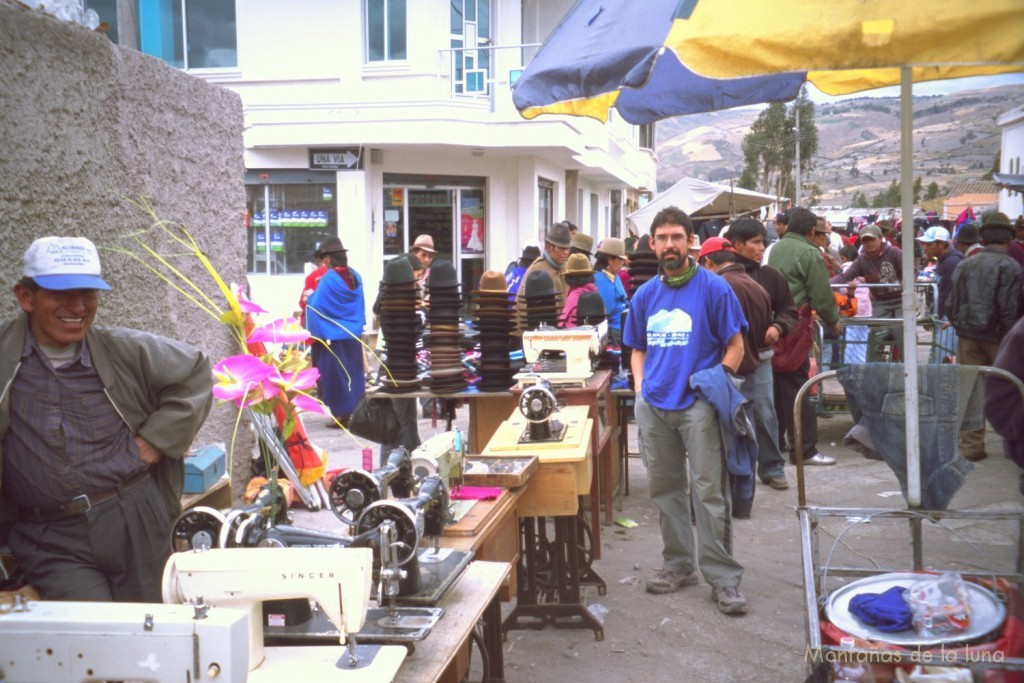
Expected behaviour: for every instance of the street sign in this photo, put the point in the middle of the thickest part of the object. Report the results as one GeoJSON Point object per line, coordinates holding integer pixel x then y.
{"type": "Point", "coordinates": [336, 159]}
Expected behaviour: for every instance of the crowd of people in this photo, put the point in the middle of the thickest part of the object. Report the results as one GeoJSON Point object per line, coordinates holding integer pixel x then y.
{"type": "Point", "coordinates": [719, 345]}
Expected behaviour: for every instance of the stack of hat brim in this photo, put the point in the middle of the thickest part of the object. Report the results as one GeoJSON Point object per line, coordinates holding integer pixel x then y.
{"type": "Point", "coordinates": [541, 298]}
{"type": "Point", "coordinates": [494, 317]}
{"type": "Point", "coordinates": [643, 265]}
{"type": "Point", "coordinates": [443, 341]}
{"type": "Point", "coordinates": [398, 322]}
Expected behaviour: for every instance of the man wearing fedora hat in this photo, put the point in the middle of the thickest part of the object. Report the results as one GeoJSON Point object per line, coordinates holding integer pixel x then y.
{"type": "Point", "coordinates": [557, 243]}
{"type": "Point", "coordinates": [985, 301]}
{"type": "Point", "coordinates": [423, 248]}
{"type": "Point", "coordinates": [94, 423]}
{"type": "Point", "coordinates": [611, 257]}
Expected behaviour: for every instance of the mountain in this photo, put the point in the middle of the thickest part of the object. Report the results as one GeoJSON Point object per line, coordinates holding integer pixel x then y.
{"type": "Point", "coordinates": [955, 138]}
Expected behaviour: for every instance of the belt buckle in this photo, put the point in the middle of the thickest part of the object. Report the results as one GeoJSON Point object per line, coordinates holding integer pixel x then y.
{"type": "Point", "coordinates": [88, 503]}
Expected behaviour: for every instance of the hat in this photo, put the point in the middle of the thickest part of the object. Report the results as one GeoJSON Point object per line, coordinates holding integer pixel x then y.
{"type": "Point", "coordinates": [538, 283]}
{"type": "Point", "coordinates": [713, 245]}
{"type": "Point", "coordinates": [577, 264]}
{"type": "Point", "coordinates": [612, 246]}
{"type": "Point", "coordinates": [398, 271]}
{"type": "Point", "coordinates": [60, 263]}
{"type": "Point", "coordinates": [969, 234]}
{"type": "Point", "coordinates": [442, 274]}
{"type": "Point", "coordinates": [996, 219]}
{"type": "Point", "coordinates": [583, 242]}
{"type": "Point", "coordinates": [872, 231]}
{"type": "Point", "coordinates": [424, 242]}
{"type": "Point", "coordinates": [694, 242]}
{"type": "Point", "coordinates": [558, 235]}
{"type": "Point", "coordinates": [531, 252]}
{"type": "Point", "coordinates": [936, 233]}
{"type": "Point", "coordinates": [330, 245]}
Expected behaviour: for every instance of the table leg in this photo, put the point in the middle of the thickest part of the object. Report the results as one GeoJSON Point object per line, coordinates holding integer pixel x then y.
{"type": "Point", "coordinates": [493, 642]}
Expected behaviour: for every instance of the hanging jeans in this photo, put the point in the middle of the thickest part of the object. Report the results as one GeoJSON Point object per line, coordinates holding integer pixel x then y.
{"type": "Point", "coordinates": [949, 399]}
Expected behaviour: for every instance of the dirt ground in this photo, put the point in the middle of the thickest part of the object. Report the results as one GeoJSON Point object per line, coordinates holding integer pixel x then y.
{"type": "Point", "coordinates": [682, 636]}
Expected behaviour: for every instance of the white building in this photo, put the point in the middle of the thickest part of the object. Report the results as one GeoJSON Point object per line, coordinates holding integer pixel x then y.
{"type": "Point", "coordinates": [1011, 153]}
{"type": "Point", "coordinates": [379, 120]}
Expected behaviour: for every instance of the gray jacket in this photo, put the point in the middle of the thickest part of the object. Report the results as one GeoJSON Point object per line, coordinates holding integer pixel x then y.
{"type": "Point", "coordinates": [160, 387]}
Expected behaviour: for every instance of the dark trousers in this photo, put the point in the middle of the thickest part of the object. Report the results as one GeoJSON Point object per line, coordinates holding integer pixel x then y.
{"type": "Point", "coordinates": [787, 384]}
{"type": "Point", "coordinates": [114, 552]}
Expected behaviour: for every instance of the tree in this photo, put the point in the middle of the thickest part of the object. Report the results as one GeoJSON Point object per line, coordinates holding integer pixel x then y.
{"type": "Point", "coordinates": [769, 148]}
{"type": "Point", "coordinates": [933, 190]}
{"type": "Point", "coordinates": [995, 166]}
{"type": "Point", "coordinates": [859, 201]}
{"type": "Point", "coordinates": [917, 189]}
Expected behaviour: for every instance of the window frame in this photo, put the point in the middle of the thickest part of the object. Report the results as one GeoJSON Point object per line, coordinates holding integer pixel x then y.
{"type": "Point", "coordinates": [385, 7]}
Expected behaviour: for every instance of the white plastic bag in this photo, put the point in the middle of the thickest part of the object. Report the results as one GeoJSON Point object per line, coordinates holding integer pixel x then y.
{"type": "Point", "coordinates": [939, 605]}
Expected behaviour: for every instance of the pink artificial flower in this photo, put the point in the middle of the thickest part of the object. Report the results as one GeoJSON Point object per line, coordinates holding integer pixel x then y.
{"type": "Point", "coordinates": [250, 307]}
{"type": "Point", "coordinates": [301, 380]}
{"type": "Point", "coordinates": [241, 379]}
{"type": "Point", "coordinates": [308, 404]}
{"type": "Point", "coordinates": [280, 331]}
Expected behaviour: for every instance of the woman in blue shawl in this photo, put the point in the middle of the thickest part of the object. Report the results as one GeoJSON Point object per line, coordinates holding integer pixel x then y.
{"type": "Point", "coordinates": [335, 316]}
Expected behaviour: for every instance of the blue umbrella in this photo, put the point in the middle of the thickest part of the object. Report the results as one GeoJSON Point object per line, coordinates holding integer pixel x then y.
{"type": "Point", "coordinates": [604, 54]}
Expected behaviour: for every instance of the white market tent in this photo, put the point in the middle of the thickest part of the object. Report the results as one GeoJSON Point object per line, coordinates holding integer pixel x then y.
{"type": "Point", "coordinates": [702, 199]}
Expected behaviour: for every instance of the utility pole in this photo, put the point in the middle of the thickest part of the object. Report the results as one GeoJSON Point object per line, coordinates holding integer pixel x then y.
{"type": "Point", "coordinates": [796, 112]}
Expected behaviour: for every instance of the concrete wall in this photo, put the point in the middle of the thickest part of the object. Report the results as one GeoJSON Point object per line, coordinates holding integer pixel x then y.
{"type": "Point", "coordinates": [87, 127]}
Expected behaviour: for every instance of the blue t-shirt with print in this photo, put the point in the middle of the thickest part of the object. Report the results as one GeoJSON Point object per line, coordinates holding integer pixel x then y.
{"type": "Point", "coordinates": [683, 330]}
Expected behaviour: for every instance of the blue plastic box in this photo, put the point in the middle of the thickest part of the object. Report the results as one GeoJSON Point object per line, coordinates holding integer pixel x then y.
{"type": "Point", "coordinates": [203, 468]}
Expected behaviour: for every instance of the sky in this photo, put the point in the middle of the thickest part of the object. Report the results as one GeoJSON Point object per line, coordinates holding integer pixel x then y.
{"type": "Point", "coordinates": [928, 88]}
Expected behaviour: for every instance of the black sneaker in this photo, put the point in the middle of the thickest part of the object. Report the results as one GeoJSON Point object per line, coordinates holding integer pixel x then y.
{"type": "Point", "coordinates": [729, 600]}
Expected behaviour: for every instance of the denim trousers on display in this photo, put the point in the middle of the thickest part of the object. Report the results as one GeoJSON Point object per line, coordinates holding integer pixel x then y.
{"type": "Point", "coordinates": [759, 388]}
{"type": "Point", "coordinates": [667, 438]}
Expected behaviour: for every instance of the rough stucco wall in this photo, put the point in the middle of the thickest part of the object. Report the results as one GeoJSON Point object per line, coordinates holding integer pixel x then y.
{"type": "Point", "coordinates": [86, 128]}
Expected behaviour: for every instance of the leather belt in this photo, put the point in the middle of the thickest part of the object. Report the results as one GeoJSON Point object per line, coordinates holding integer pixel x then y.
{"type": "Point", "coordinates": [79, 505]}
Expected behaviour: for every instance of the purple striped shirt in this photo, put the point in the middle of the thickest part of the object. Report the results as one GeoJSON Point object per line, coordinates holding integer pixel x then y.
{"type": "Point", "coordinates": [65, 437]}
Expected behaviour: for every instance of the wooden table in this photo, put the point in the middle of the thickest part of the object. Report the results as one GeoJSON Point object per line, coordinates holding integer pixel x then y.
{"type": "Point", "coordinates": [444, 654]}
{"type": "Point", "coordinates": [491, 531]}
{"type": "Point", "coordinates": [217, 496]}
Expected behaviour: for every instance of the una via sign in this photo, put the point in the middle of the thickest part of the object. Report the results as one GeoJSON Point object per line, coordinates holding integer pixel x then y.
{"type": "Point", "coordinates": [336, 159]}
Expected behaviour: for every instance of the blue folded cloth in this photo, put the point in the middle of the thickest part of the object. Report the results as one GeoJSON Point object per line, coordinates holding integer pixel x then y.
{"type": "Point", "coordinates": [888, 611]}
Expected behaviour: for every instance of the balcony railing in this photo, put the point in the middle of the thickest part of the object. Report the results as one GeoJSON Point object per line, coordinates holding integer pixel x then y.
{"type": "Point", "coordinates": [477, 73]}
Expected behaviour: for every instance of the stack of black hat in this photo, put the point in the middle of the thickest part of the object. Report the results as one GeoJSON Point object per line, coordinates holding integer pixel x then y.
{"type": "Point", "coordinates": [541, 300]}
{"type": "Point", "coordinates": [493, 314]}
{"type": "Point", "coordinates": [643, 264]}
{"type": "Point", "coordinates": [590, 311]}
{"type": "Point", "coordinates": [399, 323]}
{"type": "Point", "coordinates": [443, 339]}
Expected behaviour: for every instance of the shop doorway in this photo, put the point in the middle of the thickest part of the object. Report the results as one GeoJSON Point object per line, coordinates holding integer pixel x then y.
{"type": "Point", "coordinates": [453, 216]}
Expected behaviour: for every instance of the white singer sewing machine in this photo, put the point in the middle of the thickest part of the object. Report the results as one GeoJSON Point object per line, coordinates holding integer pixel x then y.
{"type": "Point", "coordinates": [440, 455]}
{"type": "Point", "coordinates": [339, 579]}
{"type": "Point", "coordinates": [47, 642]}
{"type": "Point", "coordinates": [562, 356]}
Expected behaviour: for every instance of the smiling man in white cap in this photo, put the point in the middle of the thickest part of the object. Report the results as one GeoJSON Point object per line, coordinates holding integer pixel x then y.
{"type": "Point", "coordinates": [94, 422]}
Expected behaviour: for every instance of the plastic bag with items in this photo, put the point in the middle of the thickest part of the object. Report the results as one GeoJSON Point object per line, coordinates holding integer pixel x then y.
{"type": "Point", "coordinates": [940, 605]}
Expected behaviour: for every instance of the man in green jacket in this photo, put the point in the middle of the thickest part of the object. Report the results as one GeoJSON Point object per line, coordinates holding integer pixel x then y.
{"type": "Point", "coordinates": [94, 422]}
{"type": "Point", "coordinates": [801, 262]}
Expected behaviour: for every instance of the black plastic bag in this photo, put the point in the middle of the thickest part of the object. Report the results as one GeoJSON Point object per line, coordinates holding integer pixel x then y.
{"type": "Point", "coordinates": [375, 420]}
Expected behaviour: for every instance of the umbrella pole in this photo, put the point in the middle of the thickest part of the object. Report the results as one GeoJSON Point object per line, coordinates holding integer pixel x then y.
{"type": "Point", "coordinates": [909, 278]}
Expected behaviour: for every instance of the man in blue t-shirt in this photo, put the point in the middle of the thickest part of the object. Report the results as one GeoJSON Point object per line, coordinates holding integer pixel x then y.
{"type": "Point", "coordinates": [685, 321]}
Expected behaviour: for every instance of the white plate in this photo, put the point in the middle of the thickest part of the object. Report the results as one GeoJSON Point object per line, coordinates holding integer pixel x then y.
{"type": "Point", "coordinates": [987, 612]}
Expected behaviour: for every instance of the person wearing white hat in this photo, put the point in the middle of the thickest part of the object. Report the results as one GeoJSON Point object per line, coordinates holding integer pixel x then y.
{"type": "Point", "coordinates": [95, 423]}
{"type": "Point", "coordinates": [936, 244]}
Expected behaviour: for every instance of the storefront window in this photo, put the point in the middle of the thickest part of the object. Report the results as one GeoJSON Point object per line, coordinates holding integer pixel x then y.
{"type": "Point", "coordinates": [285, 223]}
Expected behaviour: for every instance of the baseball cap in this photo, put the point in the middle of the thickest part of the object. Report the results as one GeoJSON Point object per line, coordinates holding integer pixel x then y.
{"type": "Point", "coordinates": [60, 263]}
{"type": "Point", "coordinates": [713, 245]}
{"type": "Point", "coordinates": [872, 231]}
{"type": "Point", "coordinates": [936, 233]}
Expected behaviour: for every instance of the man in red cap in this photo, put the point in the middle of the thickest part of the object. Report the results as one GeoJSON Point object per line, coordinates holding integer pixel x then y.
{"type": "Point", "coordinates": [718, 255]}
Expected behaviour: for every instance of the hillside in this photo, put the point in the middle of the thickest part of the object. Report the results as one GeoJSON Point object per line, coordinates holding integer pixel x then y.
{"type": "Point", "coordinates": [955, 138]}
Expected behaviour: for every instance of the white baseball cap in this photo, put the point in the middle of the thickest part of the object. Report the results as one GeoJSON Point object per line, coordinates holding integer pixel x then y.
{"type": "Point", "coordinates": [59, 263]}
{"type": "Point", "coordinates": [936, 233]}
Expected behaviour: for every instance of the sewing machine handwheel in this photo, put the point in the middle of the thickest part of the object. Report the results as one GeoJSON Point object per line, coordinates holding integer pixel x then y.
{"type": "Point", "coordinates": [351, 493]}
{"type": "Point", "coordinates": [406, 526]}
{"type": "Point", "coordinates": [537, 404]}
{"type": "Point", "coordinates": [228, 530]}
{"type": "Point", "coordinates": [196, 529]}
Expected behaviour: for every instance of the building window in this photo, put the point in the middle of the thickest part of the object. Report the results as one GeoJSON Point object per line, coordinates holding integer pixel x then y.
{"type": "Point", "coordinates": [385, 30]}
{"type": "Point", "coordinates": [645, 135]}
{"type": "Point", "coordinates": [187, 34]}
{"type": "Point", "coordinates": [545, 206]}
{"type": "Point", "coordinates": [286, 221]}
{"type": "Point", "coordinates": [470, 38]}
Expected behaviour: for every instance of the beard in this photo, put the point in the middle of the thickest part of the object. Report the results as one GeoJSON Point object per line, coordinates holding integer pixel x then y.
{"type": "Point", "coordinates": [672, 260]}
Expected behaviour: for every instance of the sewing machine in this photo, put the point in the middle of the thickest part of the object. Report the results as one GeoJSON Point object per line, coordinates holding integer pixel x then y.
{"type": "Point", "coordinates": [338, 579]}
{"type": "Point", "coordinates": [442, 455]}
{"type": "Point", "coordinates": [351, 492]}
{"type": "Point", "coordinates": [50, 642]}
{"type": "Point", "coordinates": [562, 356]}
{"type": "Point", "coordinates": [537, 404]}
